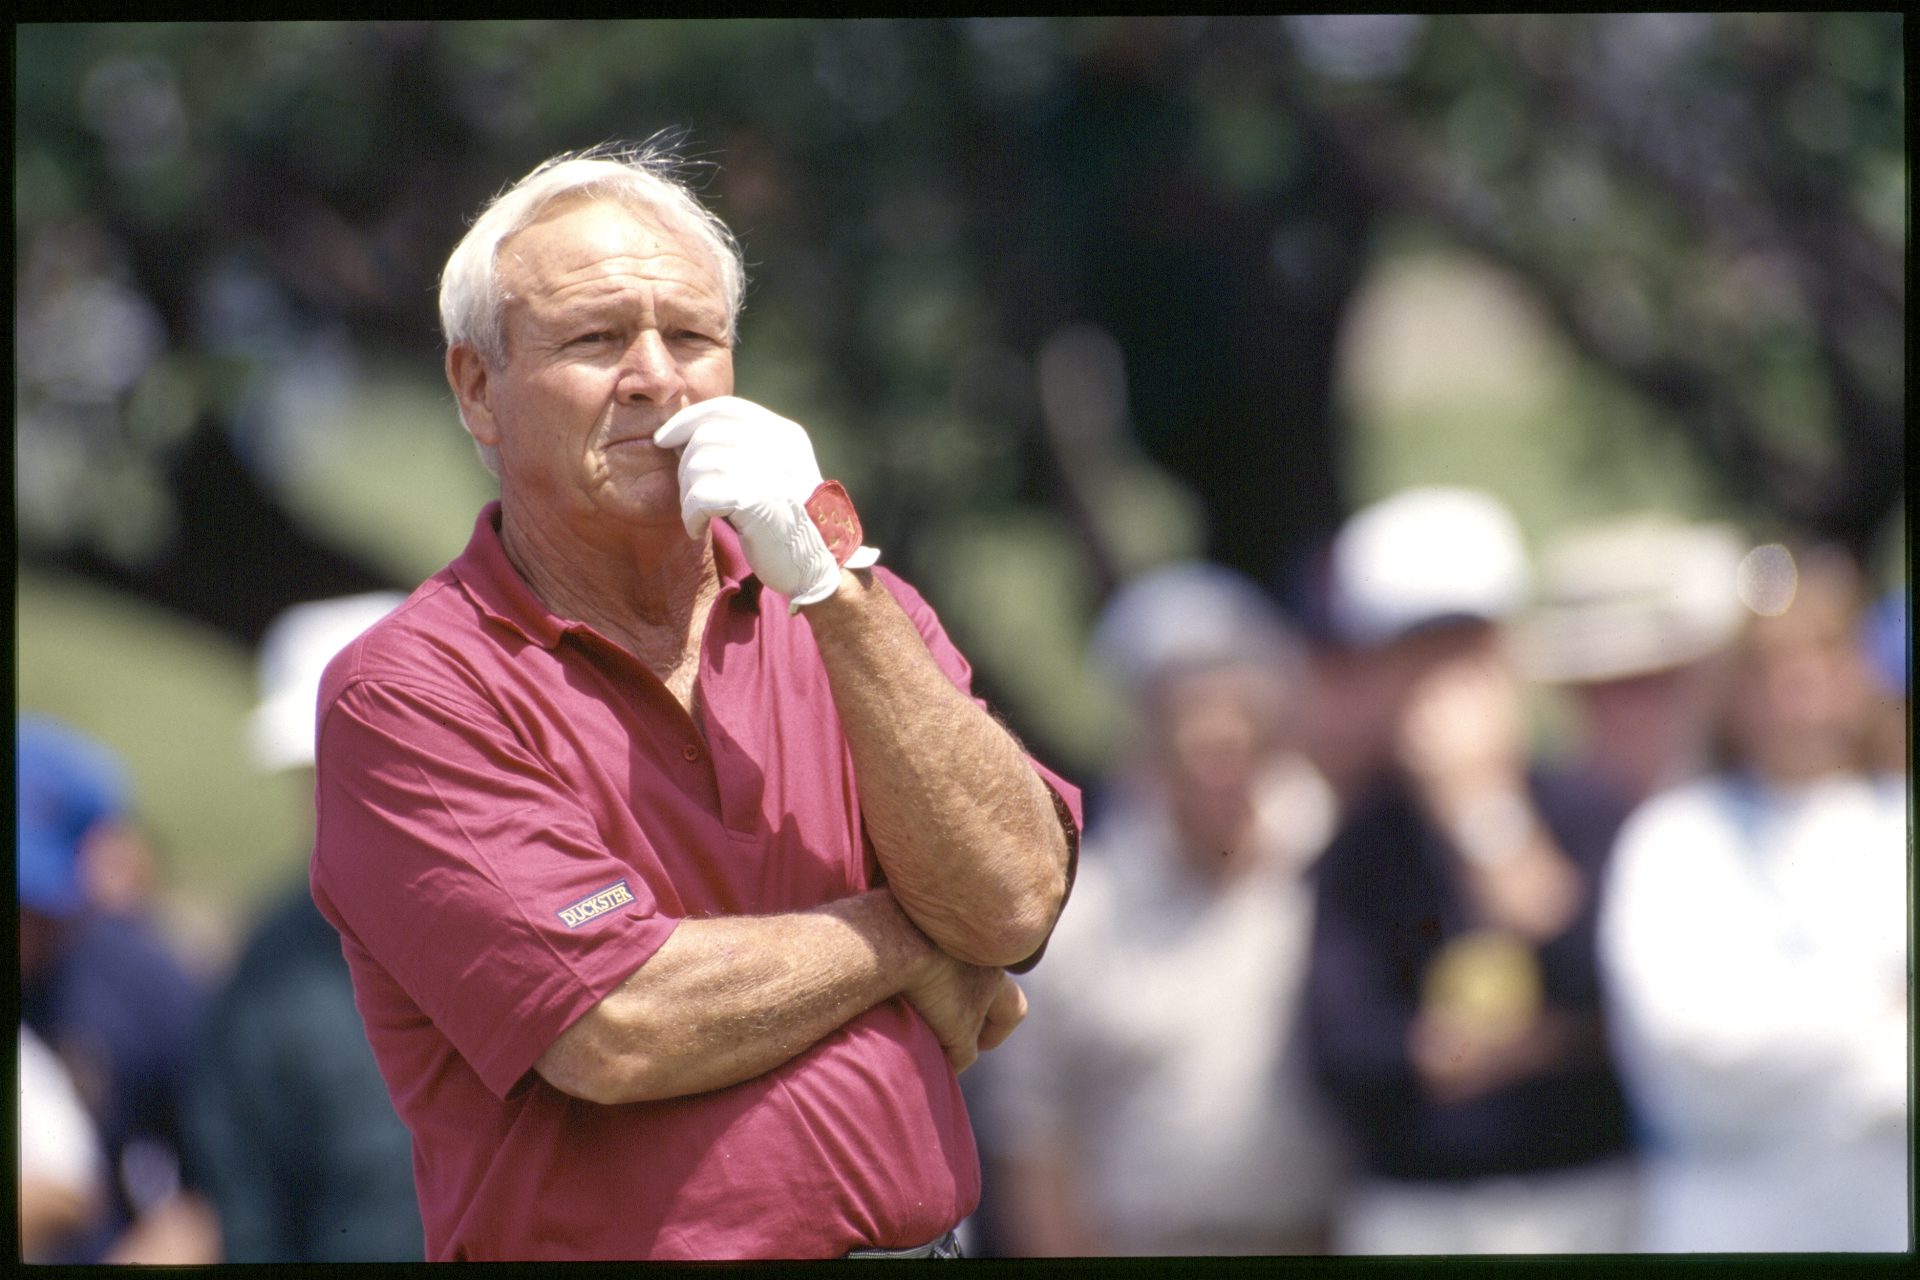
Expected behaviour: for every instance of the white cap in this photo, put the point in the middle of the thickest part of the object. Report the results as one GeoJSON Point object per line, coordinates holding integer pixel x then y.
{"type": "Point", "coordinates": [293, 655]}
{"type": "Point", "coordinates": [1425, 555]}
{"type": "Point", "coordinates": [1190, 614]}
{"type": "Point", "coordinates": [1635, 596]}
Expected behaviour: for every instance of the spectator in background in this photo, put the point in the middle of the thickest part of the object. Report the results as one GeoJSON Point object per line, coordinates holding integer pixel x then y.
{"type": "Point", "coordinates": [1754, 946]}
{"type": "Point", "coordinates": [1633, 621]}
{"type": "Point", "coordinates": [1157, 1100]}
{"type": "Point", "coordinates": [101, 989]}
{"type": "Point", "coordinates": [287, 1117]}
{"type": "Point", "coordinates": [62, 1177]}
{"type": "Point", "coordinates": [1454, 1009]}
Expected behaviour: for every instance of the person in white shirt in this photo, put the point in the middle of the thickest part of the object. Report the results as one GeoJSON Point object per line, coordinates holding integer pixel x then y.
{"type": "Point", "coordinates": [1753, 945]}
{"type": "Point", "coordinates": [1157, 1101]}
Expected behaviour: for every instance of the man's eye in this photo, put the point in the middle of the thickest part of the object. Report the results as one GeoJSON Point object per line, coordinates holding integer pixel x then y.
{"type": "Point", "coordinates": [597, 335]}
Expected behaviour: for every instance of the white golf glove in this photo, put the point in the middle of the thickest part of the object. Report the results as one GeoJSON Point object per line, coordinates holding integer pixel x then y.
{"type": "Point", "coordinates": [755, 469]}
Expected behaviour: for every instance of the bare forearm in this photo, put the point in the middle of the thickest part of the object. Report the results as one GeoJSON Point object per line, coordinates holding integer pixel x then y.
{"type": "Point", "coordinates": [963, 826]}
{"type": "Point", "coordinates": [725, 1000]}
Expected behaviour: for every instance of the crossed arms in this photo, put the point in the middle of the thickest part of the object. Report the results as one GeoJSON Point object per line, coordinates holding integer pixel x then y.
{"type": "Point", "coordinates": [976, 861]}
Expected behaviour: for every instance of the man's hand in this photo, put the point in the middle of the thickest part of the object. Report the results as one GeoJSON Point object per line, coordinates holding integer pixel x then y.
{"type": "Point", "coordinates": [1462, 741]}
{"type": "Point", "coordinates": [970, 1007]}
{"type": "Point", "coordinates": [755, 469]}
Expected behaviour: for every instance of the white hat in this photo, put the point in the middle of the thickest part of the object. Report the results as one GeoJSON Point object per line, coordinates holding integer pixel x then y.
{"type": "Point", "coordinates": [1634, 596]}
{"type": "Point", "coordinates": [1425, 555]}
{"type": "Point", "coordinates": [1190, 614]}
{"type": "Point", "coordinates": [293, 655]}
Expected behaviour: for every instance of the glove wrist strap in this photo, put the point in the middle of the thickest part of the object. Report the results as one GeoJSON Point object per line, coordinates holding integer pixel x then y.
{"type": "Point", "coordinates": [832, 513]}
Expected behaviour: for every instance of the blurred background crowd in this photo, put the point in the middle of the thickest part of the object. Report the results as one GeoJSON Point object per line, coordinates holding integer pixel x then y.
{"type": "Point", "coordinates": [1437, 481]}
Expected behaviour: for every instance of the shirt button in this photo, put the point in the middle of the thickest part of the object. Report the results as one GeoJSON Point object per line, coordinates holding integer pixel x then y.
{"type": "Point", "coordinates": [691, 752]}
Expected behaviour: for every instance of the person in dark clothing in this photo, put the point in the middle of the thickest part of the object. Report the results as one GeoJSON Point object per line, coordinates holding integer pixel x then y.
{"type": "Point", "coordinates": [291, 1121]}
{"type": "Point", "coordinates": [1399, 908]}
{"type": "Point", "coordinates": [288, 1120]}
{"type": "Point", "coordinates": [1453, 999]}
{"type": "Point", "coordinates": [105, 992]}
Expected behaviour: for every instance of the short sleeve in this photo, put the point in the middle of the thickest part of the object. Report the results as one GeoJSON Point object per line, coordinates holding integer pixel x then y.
{"type": "Point", "coordinates": [480, 886]}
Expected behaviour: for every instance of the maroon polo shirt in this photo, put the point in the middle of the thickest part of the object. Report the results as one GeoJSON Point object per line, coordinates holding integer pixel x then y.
{"type": "Point", "coordinates": [513, 814]}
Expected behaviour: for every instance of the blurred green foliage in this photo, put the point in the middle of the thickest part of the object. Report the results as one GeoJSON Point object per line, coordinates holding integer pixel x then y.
{"type": "Point", "coordinates": [1591, 262]}
{"type": "Point", "coordinates": [1712, 209]}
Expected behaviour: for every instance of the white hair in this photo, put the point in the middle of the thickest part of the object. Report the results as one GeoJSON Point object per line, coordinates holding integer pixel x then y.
{"type": "Point", "coordinates": [647, 177]}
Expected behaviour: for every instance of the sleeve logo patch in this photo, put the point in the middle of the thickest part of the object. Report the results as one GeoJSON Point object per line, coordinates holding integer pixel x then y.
{"type": "Point", "coordinates": [596, 904]}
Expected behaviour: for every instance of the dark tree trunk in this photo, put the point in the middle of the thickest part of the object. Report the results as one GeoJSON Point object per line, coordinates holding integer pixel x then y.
{"type": "Point", "coordinates": [239, 559]}
{"type": "Point", "coordinates": [1226, 304]}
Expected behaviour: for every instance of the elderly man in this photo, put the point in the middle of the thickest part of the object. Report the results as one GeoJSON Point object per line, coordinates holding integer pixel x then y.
{"type": "Point", "coordinates": [676, 867]}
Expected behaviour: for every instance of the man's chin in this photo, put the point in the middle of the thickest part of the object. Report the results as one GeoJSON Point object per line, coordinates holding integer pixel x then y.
{"type": "Point", "coordinates": [639, 497]}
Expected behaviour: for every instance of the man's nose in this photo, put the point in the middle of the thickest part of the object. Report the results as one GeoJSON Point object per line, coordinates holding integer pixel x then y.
{"type": "Point", "coordinates": [648, 371]}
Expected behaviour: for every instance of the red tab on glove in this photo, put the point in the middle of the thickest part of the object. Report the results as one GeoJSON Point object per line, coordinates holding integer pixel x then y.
{"type": "Point", "coordinates": [832, 513]}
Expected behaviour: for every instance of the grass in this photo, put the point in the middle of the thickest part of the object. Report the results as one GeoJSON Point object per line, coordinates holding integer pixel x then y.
{"type": "Point", "coordinates": [390, 475]}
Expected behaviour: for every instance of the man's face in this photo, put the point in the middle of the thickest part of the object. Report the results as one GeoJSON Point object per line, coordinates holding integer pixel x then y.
{"type": "Point", "coordinates": [1359, 696]}
{"type": "Point", "coordinates": [615, 320]}
{"type": "Point", "coordinates": [1216, 728]}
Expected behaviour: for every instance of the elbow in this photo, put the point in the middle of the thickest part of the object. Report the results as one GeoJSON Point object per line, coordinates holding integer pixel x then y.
{"type": "Point", "coordinates": [603, 1089]}
{"type": "Point", "coordinates": [991, 953]}
{"type": "Point", "coordinates": [1018, 932]}
{"type": "Point", "coordinates": [1005, 956]}
{"type": "Point", "coordinates": [617, 1083]}
{"type": "Point", "coordinates": [598, 1063]}
{"type": "Point", "coordinates": [1036, 905]}
{"type": "Point", "coordinates": [1034, 879]}
{"type": "Point", "coordinates": [606, 1082]}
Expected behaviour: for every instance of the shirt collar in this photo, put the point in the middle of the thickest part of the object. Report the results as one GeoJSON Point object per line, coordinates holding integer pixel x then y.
{"type": "Point", "coordinates": [503, 595]}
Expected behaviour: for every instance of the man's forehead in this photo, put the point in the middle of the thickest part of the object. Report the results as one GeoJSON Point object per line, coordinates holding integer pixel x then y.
{"type": "Point", "coordinates": [576, 243]}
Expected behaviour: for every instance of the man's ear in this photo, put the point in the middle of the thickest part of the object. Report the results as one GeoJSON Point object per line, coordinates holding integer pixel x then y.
{"type": "Point", "coordinates": [470, 378]}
